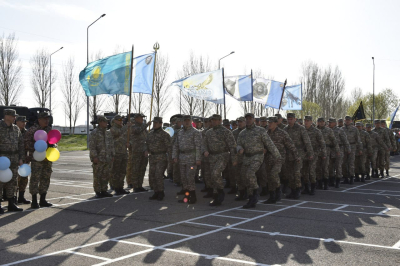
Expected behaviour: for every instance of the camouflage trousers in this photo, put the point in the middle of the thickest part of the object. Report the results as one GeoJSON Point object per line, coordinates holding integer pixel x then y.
{"type": "Point", "coordinates": [387, 160]}
{"type": "Point", "coordinates": [206, 173]}
{"type": "Point", "coordinates": [218, 163]}
{"type": "Point", "coordinates": [380, 161]}
{"type": "Point", "coordinates": [240, 181]}
{"type": "Point", "coordinates": [11, 186]}
{"type": "Point", "coordinates": [119, 171]}
{"type": "Point", "coordinates": [40, 177]}
{"type": "Point", "coordinates": [261, 175]}
{"type": "Point", "coordinates": [359, 164]}
{"type": "Point", "coordinates": [156, 174]}
{"type": "Point", "coordinates": [291, 172]}
{"type": "Point", "coordinates": [129, 179]}
{"type": "Point", "coordinates": [322, 168]}
{"type": "Point", "coordinates": [308, 170]}
{"type": "Point", "coordinates": [177, 173]}
{"type": "Point", "coordinates": [250, 166]}
{"type": "Point", "coordinates": [348, 162]}
{"type": "Point", "coordinates": [232, 174]}
{"type": "Point", "coordinates": [139, 165]}
{"type": "Point", "coordinates": [188, 171]}
{"type": "Point", "coordinates": [273, 168]}
{"type": "Point", "coordinates": [170, 169]}
{"type": "Point", "coordinates": [22, 183]}
{"type": "Point", "coordinates": [101, 176]}
{"type": "Point", "coordinates": [335, 164]}
{"type": "Point", "coordinates": [371, 160]}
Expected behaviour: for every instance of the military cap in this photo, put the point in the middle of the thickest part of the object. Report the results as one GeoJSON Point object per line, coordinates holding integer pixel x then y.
{"type": "Point", "coordinates": [139, 114]}
{"type": "Point", "coordinates": [179, 119]}
{"type": "Point", "coordinates": [21, 118]}
{"type": "Point", "coordinates": [234, 122]}
{"type": "Point", "coordinates": [187, 117]}
{"type": "Point", "coordinates": [377, 121]}
{"type": "Point", "coordinates": [347, 117]}
{"type": "Point", "coordinates": [101, 118]}
{"type": "Point", "coordinates": [340, 120]}
{"type": "Point", "coordinates": [44, 114]}
{"type": "Point", "coordinates": [321, 119]}
{"type": "Point", "coordinates": [284, 120]}
{"type": "Point", "coordinates": [368, 125]}
{"type": "Point", "coordinates": [273, 119]}
{"type": "Point", "coordinates": [332, 120]}
{"type": "Point", "coordinates": [10, 112]}
{"type": "Point", "coordinates": [157, 119]}
{"type": "Point", "coordinates": [358, 124]}
{"type": "Point", "coordinates": [257, 119]}
{"type": "Point", "coordinates": [241, 118]}
{"type": "Point", "coordinates": [206, 119]}
{"type": "Point", "coordinates": [216, 117]}
{"type": "Point", "coordinates": [308, 117]}
{"type": "Point", "coordinates": [383, 121]}
{"type": "Point", "coordinates": [300, 120]}
{"type": "Point", "coordinates": [172, 120]}
{"type": "Point", "coordinates": [263, 119]}
{"type": "Point", "coordinates": [291, 115]}
{"type": "Point", "coordinates": [117, 117]}
{"type": "Point", "coordinates": [249, 114]}
{"type": "Point", "coordinates": [279, 116]}
{"type": "Point", "coordinates": [226, 122]}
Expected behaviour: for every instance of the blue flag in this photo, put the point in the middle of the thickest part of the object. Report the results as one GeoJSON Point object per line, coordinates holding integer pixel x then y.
{"type": "Point", "coordinates": [274, 94]}
{"type": "Point", "coordinates": [143, 69]}
{"type": "Point", "coordinates": [392, 116]}
{"type": "Point", "coordinates": [292, 98]}
{"type": "Point", "coordinates": [239, 87]}
{"type": "Point", "coordinates": [110, 75]}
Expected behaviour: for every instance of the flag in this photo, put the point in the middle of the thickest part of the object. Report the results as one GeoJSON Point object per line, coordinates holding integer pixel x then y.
{"type": "Point", "coordinates": [110, 75]}
{"type": "Point", "coordinates": [359, 114]}
{"type": "Point", "coordinates": [292, 98]}
{"type": "Point", "coordinates": [392, 116]}
{"type": "Point", "coordinates": [272, 97]}
{"type": "Point", "coordinates": [204, 86]}
{"type": "Point", "coordinates": [143, 70]}
{"type": "Point", "coordinates": [239, 87]}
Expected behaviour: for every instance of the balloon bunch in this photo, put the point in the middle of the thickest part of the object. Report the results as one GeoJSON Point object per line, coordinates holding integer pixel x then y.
{"type": "Point", "coordinates": [5, 171]}
{"type": "Point", "coordinates": [42, 150]}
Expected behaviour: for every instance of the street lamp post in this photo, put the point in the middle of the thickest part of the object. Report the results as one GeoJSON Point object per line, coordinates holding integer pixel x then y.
{"type": "Point", "coordinates": [50, 75]}
{"type": "Point", "coordinates": [219, 67]}
{"type": "Point", "coordinates": [373, 91]}
{"type": "Point", "coordinates": [87, 97]}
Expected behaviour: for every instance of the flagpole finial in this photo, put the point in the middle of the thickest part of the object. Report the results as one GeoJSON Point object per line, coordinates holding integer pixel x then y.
{"type": "Point", "coordinates": [156, 46]}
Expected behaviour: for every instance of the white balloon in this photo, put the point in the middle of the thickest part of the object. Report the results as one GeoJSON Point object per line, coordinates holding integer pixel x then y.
{"type": "Point", "coordinates": [24, 170]}
{"type": "Point", "coordinates": [5, 175]}
{"type": "Point", "coordinates": [170, 131]}
{"type": "Point", "coordinates": [39, 156]}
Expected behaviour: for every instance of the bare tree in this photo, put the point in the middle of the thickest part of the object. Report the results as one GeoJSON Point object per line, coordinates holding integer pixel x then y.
{"type": "Point", "coordinates": [140, 103]}
{"type": "Point", "coordinates": [73, 95]}
{"type": "Point", "coordinates": [10, 70]}
{"type": "Point", "coordinates": [161, 99]}
{"type": "Point", "coordinates": [40, 80]}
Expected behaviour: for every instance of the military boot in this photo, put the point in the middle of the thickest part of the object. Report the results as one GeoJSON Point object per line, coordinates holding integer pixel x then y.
{"type": "Point", "coordinates": [192, 197]}
{"type": "Point", "coordinates": [105, 194]}
{"type": "Point", "coordinates": [228, 183]}
{"type": "Point", "coordinates": [272, 198]}
{"type": "Point", "coordinates": [240, 196]}
{"type": "Point", "coordinates": [368, 177]}
{"type": "Point", "coordinates": [34, 203]}
{"type": "Point", "coordinates": [285, 186]}
{"type": "Point", "coordinates": [312, 192]}
{"type": "Point", "coordinates": [325, 184]}
{"type": "Point", "coordinates": [197, 180]}
{"type": "Point", "coordinates": [291, 194]}
{"type": "Point", "coordinates": [362, 178]}
{"type": "Point", "coordinates": [21, 198]}
{"type": "Point", "coordinates": [182, 192]}
{"type": "Point", "coordinates": [297, 193]}
{"type": "Point", "coordinates": [337, 183]}
{"type": "Point", "coordinates": [351, 180]}
{"type": "Point", "coordinates": [332, 181]}
{"type": "Point", "coordinates": [185, 197]}
{"type": "Point", "coordinates": [161, 195]}
{"type": "Point", "coordinates": [382, 175]}
{"type": "Point", "coordinates": [253, 199]}
{"type": "Point", "coordinates": [233, 190]}
{"type": "Point", "coordinates": [1, 209]}
{"type": "Point", "coordinates": [209, 193]}
{"type": "Point", "coordinates": [306, 189]}
{"type": "Point", "coordinates": [155, 196]}
{"type": "Point", "coordinates": [357, 178]}
{"type": "Point", "coordinates": [217, 198]}
{"type": "Point", "coordinates": [43, 202]}
{"type": "Point", "coordinates": [278, 194]}
{"type": "Point", "coordinates": [12, 207]}
{"type": "Point", "coordinates": [319, 182]}
{"type": "Point", "coordinates": [387, 172]}
{"type": "Point", "coordinates": [264, 191]}
{"type": "Point", "coordinates": [346, 180]}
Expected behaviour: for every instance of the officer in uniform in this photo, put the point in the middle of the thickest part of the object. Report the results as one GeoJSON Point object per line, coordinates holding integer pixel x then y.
{"type": "Point", "coordinates": [22, 181]}
{"type": "Point", "coordinates": [228, 169]}
{"type": "Point", "coordinates": [264, 122]}
{"type": "Point", "coordinates": [376, 143]}
{"type": "Point", "coordinates": [392, 143]}
{"type": "Point", "coordinates": [251, 142]}
{"type": "Point", "coordinates": [361, 159]}
{"type": "Point", "coordinates": [280, 120]}
{"type": "Point", "coordinates": [353, 136]}
{"type": "Point", "coordinates": [158, 144]}
{"type": "Point", "coordinates": [382, 149]}
{"type": "Point", "coordinates": [12, 147]}
{"type": "Point", "coordinates": [170, 168]}
{"type": "Point", "coordinates": [237, 169]}
{"type": "Point", "coordinates": [102, 154]}
{"type": "Point", "coordinates": [340, 122]}
{"type": "Point", "coordinates": [205, 164]}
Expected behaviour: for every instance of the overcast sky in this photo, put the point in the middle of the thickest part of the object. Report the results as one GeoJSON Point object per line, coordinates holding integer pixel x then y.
{"type": "Point", "coordinates": [274, 36]}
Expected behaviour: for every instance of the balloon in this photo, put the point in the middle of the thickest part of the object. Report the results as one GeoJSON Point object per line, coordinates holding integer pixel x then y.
{"type": "Point", "coordinates": [52, 154]}
{"type": "Point", "coordinates": [170, 131]}
{"type": "Point", "coordinates": [4, 163]}
{"type": "Point", "coordinates": [40, 145]}
{"type": "Point", "coordinates": [5, 175]}
{"type": "Point", "coordinates": [53, 136]}
{"type": "Point", "coordinates": [24, 170]}
{"type": "Point", "coordinates": [194, 124]}
{"type": "Point", "coordinates": [39, 156]}
{"type": "Point", "coordinates": [40, 135]}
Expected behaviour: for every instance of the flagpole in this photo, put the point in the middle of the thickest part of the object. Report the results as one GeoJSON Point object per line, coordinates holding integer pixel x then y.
{"type": "Point", "coordinates": [223, 90]}
{"type": "Point", "coordinates": [130, 98]}
{"type": "Point", "coordinates": [252, 99]}
{"type": "Point", "coordinates": [283, 91]}
{"type": "Point", "coordinates": [156, 46]}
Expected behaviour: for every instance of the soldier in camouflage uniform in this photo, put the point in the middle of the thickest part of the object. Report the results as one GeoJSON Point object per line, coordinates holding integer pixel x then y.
{"type": "Point", "coordinates": [234, 124]}
{"type": "Point", "coordinates": [205, 164]}
{"type": "Point", "coordinates": [309, 166]}
{"type": "Point", "coordinates": [361, 159]}
{"type": "Point", "coordinates": [220, 146]}
{"type": "Point", "coordinates": [282, 142]}
{"type": "Point", "coordinates": [119, 134]}
{"type": "Point", "coordinates": [340, 122]}
{"type": "Point", "coordinates": [291, 169]}
{"type": "Point", "coordinates": [261, 174]}
{"type": "Point", "coordinates": [102, 154]}
{"type": "Point", "coordinates": [392, 144]}
{"type": "Point", "coordinates": [199, 126]}
{"type": "Point", "coordinates": [158, 146]}
{"type": "Point", "coordinates": [239, 179]}
{"type": "Point", "coordinates": [12, 147]}
{"type": "Point", "coordinates": [264, 122]}
{"type": "Point", "coordinates": [353, 136]}
{"type": "Point", "coordinates": [382, 150]}
{"type": "Point", "coordinates": [137, 141]}
{"type": "Point", "coordinates": [170, 168]}
{"type": "Point", "coordinates": [332, 145]}
{"type": "Point", "coordinates": [22, 181]}
{"type": "Point", "coordinates": [187, 149]}
{"type": "Point", "coordinates": [177, 171]}
{"type": "Point", "coordinates": [300, 122]}
{"type": "Point", "coordinates": [376, 143]}
{"type": "Point", "coordinates": [40, 171]}
{"type": "Point", "coordinates": [280, 120]}
{"type": "Point", "coordinates": [251, 142]}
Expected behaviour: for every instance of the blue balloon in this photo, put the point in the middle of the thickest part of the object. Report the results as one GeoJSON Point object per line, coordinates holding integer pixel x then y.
{"type": "Point", "coordinates": [40, 145]}
{"type": "Point", "coordinates": [24, 170]}
{"type": "Point", "coordinates": [4, 163]}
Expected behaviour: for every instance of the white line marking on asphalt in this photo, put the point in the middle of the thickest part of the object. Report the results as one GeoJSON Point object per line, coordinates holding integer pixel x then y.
{"type": "Point", "coordinates": [369, 183]}
{"type": "Point", "coordinates": [171, 233]}
{"type": "Point", "coordinates": [132, 243]}
{"type": "Point", "coordinates": [384, 211]}
{"type": "Point", "coordinates": [397, 245]}
{"type": "Point", "coordinates": [233, 217]}
{"type": "Point", "coordinates": [88, 255]}
{"type": "Point", "coordinates": [341, 207]}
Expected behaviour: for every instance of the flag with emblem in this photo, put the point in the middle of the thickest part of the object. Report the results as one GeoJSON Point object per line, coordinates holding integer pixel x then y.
{"type": "Point", "coordinates": [143, 71]}
{"type": "Point", "coordinates": [359, 113]}
{"type": "Point", "coordinates": [392, 116]}
{"type": "Point", "coordinates": [292, 98]}
{"type": "Point", "coordinates": [271, 95]}
{"type": "Point", "coordinates": [239, 87]}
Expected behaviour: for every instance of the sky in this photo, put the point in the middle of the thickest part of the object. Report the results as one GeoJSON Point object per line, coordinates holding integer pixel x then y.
{"type": "Point", "coordinates": [276, 37]}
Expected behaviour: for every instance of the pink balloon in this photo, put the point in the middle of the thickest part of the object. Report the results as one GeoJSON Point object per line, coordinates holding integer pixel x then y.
{"type": "Point", "coordinates": [193, 124]}
{"type": "Point", "coordinates": [40, 135]}
{"type": "Point", "coordinates": [54, 136]}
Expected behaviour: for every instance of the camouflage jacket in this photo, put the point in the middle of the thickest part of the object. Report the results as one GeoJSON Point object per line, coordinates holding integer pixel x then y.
{"type": "Point", "coordinates": [203, 135]}
{"type": "Point", "coordinates": [366, 141]}
{"type": "Point", "coordinates": [317, 141]}
{"type": "Point", "coordinates": [11, 142]}
{"type": "Point", "coordinates": [301, 140]}
{"type": "Point", "coordinates": [158, 144]}
{"type": "Point", "coordinates": [330, 140]}
{"type": "Point", "coordinates": [353, 136]}
{"type": "Point", "coordinates": [391, 138]}
{"type": "Point", "coordinates": [187, 146]}
{"type": "Point", "coordinates": [137, 139]}
{"type": "Point", "coordinates": [384, 137]}
{"type": "Point", "coordinates": [341, 138]}
{"type": "Point", "coordinates": [30, 140]}
{"type": "Point", "coordinates": [119, 134]}
{"type": "Point", "coordinates": [283, 142]}
{"type": "Point", "coordinates": [219, 140]}
{"type": "Point", "coordinates": [235, 133]}
{"type": "Point", "coordinates": [101, 145]}
{"type": "Point", "coordinates": [253, 140]}
{"type": "Point", "coordinates": [376, 141]}
{"type": "Point", "coordinates": [281, 126]}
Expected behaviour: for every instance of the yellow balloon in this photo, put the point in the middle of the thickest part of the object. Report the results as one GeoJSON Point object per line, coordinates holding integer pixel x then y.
{"type": "Point", "coordinates": [52, 154]}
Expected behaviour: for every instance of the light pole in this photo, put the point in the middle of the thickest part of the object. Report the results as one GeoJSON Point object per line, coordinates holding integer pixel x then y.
{"type": "Point", "coordinates": [50, 75]}
{"type": "Point", "coordinates": [219, 67]}
{"type": "Point", "coordinates": [87, 97]}
{"type": "Point", "coordinates": [373, 92]}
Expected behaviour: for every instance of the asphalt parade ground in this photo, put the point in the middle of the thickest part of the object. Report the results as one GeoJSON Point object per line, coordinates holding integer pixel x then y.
{"type": "Point", "coordinates": [355, 225]}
